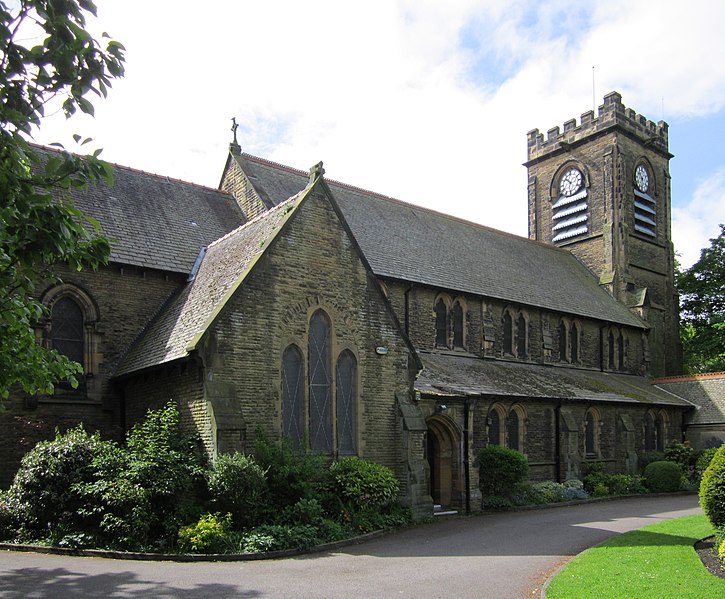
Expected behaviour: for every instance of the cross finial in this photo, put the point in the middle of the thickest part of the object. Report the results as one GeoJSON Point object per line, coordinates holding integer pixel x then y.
{"type": "Point", "coordinates": [234, 130]}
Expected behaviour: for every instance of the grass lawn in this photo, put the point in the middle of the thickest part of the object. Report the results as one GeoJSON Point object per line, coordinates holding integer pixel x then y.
{"type": "Point", "coordinates": [657, 561]}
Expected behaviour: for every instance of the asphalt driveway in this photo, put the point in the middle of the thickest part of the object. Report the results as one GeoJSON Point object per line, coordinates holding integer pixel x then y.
{"type": "Point", "coordinates": [493, 556]}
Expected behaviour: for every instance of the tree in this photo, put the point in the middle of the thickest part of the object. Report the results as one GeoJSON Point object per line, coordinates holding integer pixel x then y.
{"type": "Point", "coordinates": [702, 299]}
{"type": "Point", "coordinates": [46, 57]}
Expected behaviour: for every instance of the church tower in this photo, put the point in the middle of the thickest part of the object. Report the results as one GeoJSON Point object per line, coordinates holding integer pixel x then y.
{"type": "Point", "coordinates": [601, 189]}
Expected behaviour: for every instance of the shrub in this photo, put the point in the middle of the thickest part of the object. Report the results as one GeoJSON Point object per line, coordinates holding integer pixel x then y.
{"type": "Point", "coordinates": [291, 475]}
{"type": "Point", "coordinates": [238, 486]}
{"type": "Point", "coordinates": [49, 496]}
{"type": "Point", "coordinates": [646, 458]}
{"type": "Point", "coordinates": [684, 455]}
{"type": "Point", "coordinates": [712, 489]}
{"type": "Point", "coordinates": [500, 469]}
{"type": "Point", "coordinates": [276, 537]}
{"type": "Point", "coordinates": [704, 457]}
{"type": "Point", "coordinates": [496, 503]}
{"type": "Point", "coordinates": [363, 485]}
{"type": "Point", "coordinates": [209, 535]}
{"type": "Point", "coordinates": [663, 477]}
{"type": "Point", "coordinates": [549, 491]}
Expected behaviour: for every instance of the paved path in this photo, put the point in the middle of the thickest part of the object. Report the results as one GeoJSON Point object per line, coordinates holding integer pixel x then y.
{"type": "Point", "coordinates": [495, 556]}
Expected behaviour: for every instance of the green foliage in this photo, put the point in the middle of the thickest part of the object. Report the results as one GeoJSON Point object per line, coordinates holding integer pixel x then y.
{"type": "Point", "coordinates": [277, 537]}
{"type": "Point", "coordinates": [600, 483]}
{"type": "Point", "coordinates": [363, 485]}
{"type": "Point", "coordinates": [291, 475]}
{"type": "Point", "coordinates": [48, 495]}
{"type": "Point", "coordinates": [712, 489]}
{"type": "Point", "coordinates": [209, 535]}
{"type": "Point", "coordinates": [704, 457]}
{"type": "Point", "coordinates": [702, 299]}
{"type": "Point", "coordinates": [500, 469]}
{"type": "Point", "coordinates": [496, 503]}
{"type": "Point", "coordinates": [663, 477]}
{"type": "Point", "coordinates": [80, 490]}
{"type": "Point", "coordinates": [40, 225]}
{"type": "Point", "coordinates": [238, 486]}
{"type": "Point", "coordinates": [647, 457]}
{"type": "Point", "coordinates": [305, 511]}
{"type": "Point", "coordinates": [684, 455]}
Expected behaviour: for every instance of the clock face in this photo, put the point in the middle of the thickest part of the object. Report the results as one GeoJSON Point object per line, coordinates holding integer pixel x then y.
{"type": "Point", "coordinates": [641, 178]}
{"type": "Point", "coordinates": [570, 182]}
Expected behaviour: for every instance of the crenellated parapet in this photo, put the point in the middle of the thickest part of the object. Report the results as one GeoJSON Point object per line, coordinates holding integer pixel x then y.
{"type": "Point", "coordinates": [611, 115]}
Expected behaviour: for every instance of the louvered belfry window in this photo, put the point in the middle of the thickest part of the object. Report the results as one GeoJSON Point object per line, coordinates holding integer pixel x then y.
{"type": "Point", "coordinates": [570, 210]}
{"type": "Point", "coordinates": [67, 335]}
{"type": "Point", "coordinates": [319, 383]}
{"type": "Point", "coordinates": [293, 395]}
{"type": "Point", "coordinates": [645, 206]}
{"type": "Point", "coordinates": [346, 402]}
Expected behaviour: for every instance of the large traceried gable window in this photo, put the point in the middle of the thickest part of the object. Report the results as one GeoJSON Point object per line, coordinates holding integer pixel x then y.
{"type": "Point", "coordinates": [570, 208]}
{"type": "Point", "coordinates": [67, 334]}
{"type": "Point", "coordinates": [293, 395]}
{"type": "Point", "coordinates": [645, 205]}
{"type": "Point", "coordinates": [346, 392]}
{"type": "Point", "coordinates": [441, 313]}
{"type": "Point", "coordinates": [320, 392]}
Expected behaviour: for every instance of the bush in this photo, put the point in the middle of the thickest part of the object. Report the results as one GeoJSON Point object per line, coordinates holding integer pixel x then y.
{"type": "Point", "coordinates": [49, 496]}
{"type": "Point", "coordinates": [209, 535]}
{"type": "Point", "coordinates": [496, 503]}
{"type": "Point", "coordinates": [646, 458]}
{"type": "Point", "coordinates": [238, 486]}
{"type": "Point", "coordinates": [500, 469]}
{"type": "Point", "coordinates": [704, 457]}
{"type": "Point", "coordinates": [663, 477]}
{"type": "Point", "coordinates": [600, 484]}
{"type": "Point", "coordinates": [363, 485]}
{"type": "Point", "coordinates": [712, 489]}
{"type": "Point", "coordinates": [277, 537]}
{"type": "Point", "coordinates": [548, 491]}
{"type": "Point", "coordinates": [684, 455]}
{"type": "Point", "coordinates": [291, 475]}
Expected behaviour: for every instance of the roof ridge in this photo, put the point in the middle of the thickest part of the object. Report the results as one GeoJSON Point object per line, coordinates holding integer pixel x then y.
{"type": "Point", "coordinates": [135, 170]}
{"type": "Point", "coordinates": [705, 376]}
{"type": "Point", "coordinates": [261, 216]}
{"type": "Point", "coordinates": [382, 196]}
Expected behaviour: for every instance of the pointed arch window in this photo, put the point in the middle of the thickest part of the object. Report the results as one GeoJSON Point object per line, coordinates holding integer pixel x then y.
{"type": "Point", "coordinates": [620, 351]}
{"type": "Point", "coordinates": [591, 434]}
{"type": "Point", "coordinates": [494, 427]}
{"type": "Point", "coordinates": [660, 432]}
{"type": "Point", "coordinates": [457, 318]}
{"type": "Point", "coordinates": [441, 312]}
{"type": "Point", "coordinates": [521, 337]}
{"type": "Point", "coordinates": [293, 395]}
{"type": "Point", "coordinates": [650, 433]}
{"type": "Point", "coordinates": [346, 394]}
{"type": "Point", "coordinates": [319, 383]}
{"type": "Point", "coordinates": [508, 333]}
{"type": "Point", "coordinates": [563, 336]}
{"type": "Point", "coordinates": [513, 427]}
{"type": "Point", "coordinates": [574, 343]}
{"type": "Point", "coordinates": [611, 350]}
{"type": "Point", "coordinates": [67, 335]}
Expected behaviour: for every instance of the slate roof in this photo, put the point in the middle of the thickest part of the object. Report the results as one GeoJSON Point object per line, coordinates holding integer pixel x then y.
{"type": "Point", "coordinates": [410, 243]}
{"type": "Point", "coordinates": [706, 391]}
{"type": "Point", "coordinates": [459, 376]}
{"type": "Point", "coordinates": [157, 222]}
{"type": "Point", "coordinates": [188, 314]}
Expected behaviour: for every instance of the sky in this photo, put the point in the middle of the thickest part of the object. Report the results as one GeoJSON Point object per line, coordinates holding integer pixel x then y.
{"type": "Point", "coordinates": [426, 101]}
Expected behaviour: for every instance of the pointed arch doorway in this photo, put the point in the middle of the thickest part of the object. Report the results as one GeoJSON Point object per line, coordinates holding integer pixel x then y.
{"type": "Point", "coordinates": [443, 443]}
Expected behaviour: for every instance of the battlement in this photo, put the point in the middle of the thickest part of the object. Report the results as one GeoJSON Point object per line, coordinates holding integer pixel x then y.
{"type": "Point", "coordinates": [611, 114]}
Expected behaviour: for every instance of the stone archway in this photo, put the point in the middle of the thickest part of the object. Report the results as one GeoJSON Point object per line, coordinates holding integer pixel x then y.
{"type": "Point", "coordinates": [443, 443]}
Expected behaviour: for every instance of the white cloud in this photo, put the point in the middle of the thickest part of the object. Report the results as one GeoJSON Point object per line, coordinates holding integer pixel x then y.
{"type": "Point", "coordinates": [695, 223]}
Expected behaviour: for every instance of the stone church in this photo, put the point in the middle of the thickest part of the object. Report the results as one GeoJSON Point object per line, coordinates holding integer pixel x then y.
{"type": "Point", "coordinates": [357, 324]}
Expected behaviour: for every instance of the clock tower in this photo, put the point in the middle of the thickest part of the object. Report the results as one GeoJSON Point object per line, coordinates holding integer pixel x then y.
{"type": "Point", "coordinates": [601, 189]}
